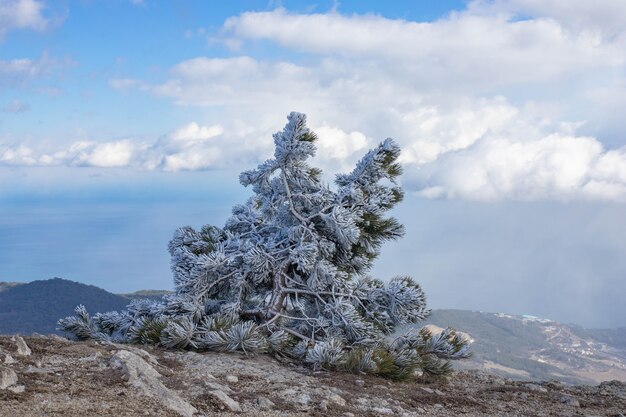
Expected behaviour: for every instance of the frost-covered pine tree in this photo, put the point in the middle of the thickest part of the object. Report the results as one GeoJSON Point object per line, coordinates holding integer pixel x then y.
{"type": "Point", "coordinates": [288, 273]}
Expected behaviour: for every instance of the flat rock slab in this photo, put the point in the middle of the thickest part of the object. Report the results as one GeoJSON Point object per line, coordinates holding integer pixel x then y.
{"type": "Point", "coordinates": [143, 376]}
{"type": "Point", "coordinates": [224, 399]}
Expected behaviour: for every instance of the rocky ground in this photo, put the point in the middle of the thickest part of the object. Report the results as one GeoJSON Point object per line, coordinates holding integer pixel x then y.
{"type": "Point", "coordinates": [50, 376]}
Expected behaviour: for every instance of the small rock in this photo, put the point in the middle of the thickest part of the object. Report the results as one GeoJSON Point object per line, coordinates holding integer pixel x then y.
{"type": "Point", "coordinates": [148, 357]}
{"type": "Point", "coordinates": [323, 406]}
{"type": "Point", "coordinates": [303, 399]}
{"type": "Point", "coordinates": [348, 415]}
{"type": "Point", "coordinates": [264, 403]}
{"type": "Point", "coordinates": [427, 390]}
{"type": "Point", "coordinates": [336, 400]}
{"type": "Point", "coordinates": [438, 392]}
{"type": "Point", "coordinates": [58, 338]}
{"type": "Point", "coordinates": [554, 384]}
{"type": "Point", "coordinates": [8, 359]}
{"type": "Point", "coordinates": [536, 387]}
{"type": "Point", "coordinates": [289, 392]}
{"type": "Point", "coordinates": [232, 379]}
{"type": "Point", "coordinates": [571, 401]}
{"type": "Point", "coordinates": [22, 347]}
{"type": "Point", "coordinates": [36, 370]}
{"type": "Point", "coordinates": [17, 389]}
{"type": "Point", "coordinates": [614, 387]}
{"type": "Point", "coordinates": [359, 382]}
{"type": "Point", "coordinates": [218, 387]}
{"type": "Point", "coordinates": [382, 410]}
{"type": "Point", "coordinates": [8, 377]}
{"type": "Point", "coordinates": [438, 405]}
{"type": "Point", "coordinates": [228, 402]}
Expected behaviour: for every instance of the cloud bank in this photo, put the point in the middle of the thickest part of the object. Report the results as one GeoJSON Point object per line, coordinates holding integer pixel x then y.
{"type": "Point", "coordinates": [494, 102]}
{"type": "Point", "coordinates": [479, 158]}
{"type": "Point", "coordinates": [190, 147]}
{"type": "Point", "coordinates": [21, 14]}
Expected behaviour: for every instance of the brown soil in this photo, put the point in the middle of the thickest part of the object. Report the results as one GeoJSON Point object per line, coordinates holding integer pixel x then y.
{"type": "Point", "coordinates": [63, 378]}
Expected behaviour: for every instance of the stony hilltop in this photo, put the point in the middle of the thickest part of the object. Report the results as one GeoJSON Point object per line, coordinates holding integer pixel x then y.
{"type": "Point", "coordinates": [516, 347]}
{"type": "Point", "coordinates": [47, 376]}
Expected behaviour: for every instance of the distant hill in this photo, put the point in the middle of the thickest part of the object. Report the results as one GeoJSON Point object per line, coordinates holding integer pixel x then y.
{"type": "Point", "coordinates": [151, 294]}
{"type": "Point", "coordinates": [526, 347]}
{"type": "Point", "coordinates": [612, 337]}
{"type": "Point", "coordinates": [36, 306]}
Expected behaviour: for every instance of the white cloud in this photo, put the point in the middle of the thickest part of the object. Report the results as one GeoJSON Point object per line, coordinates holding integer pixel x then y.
{"type": "Point", "coordinates": [190, 147]}
{"type": "Point", "coordinates": [191, 160]}
{"type": "Point", "coordinates": [20, 67]}
{"type": "Point", "coordinates": [124, 84]}
{"type": "Point", "coordinates": [602, 16]}
{"type": "Point", "coordinates": [230, 81]}
{"type": "Point", "coordinates": [21, 14]}
{"type": "Point", "coordinates": [15, 72]}
{"type": "Point", "coordinates": [454, 147]}
{"type": "Point", "coordinates": [441, 88]}
{"type": "Point", "coordinates": [19, 155]}
{"type": "Point", "coordinates": [551, 167]}
{"type": "Point", "coordinates": [472, 152]}
{"type": "Point", "coordinates": [435, 131]}
{"type": "Point", "coordinates": [338, 144]}
{"type": "Point", "coordinates": [339, 150]}
{"type": "Point", "coordinates": [15, 106]}
{"type": "Point", "coordinates": [465, 49]}
{"type": "Point", "coordinates": [106, 155]}
{"type": "Point", "coordinates": [194, 132]}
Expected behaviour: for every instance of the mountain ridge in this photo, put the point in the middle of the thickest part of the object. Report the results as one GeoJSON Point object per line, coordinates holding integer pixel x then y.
{"type": "Point", "coordinates": [513, 346]}
{"type": "Point", "coordinates": [528, 347]}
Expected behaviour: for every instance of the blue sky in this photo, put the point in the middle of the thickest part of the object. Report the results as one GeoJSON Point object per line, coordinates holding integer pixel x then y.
{"type": "Point", "coordinates": [144, 41]}
{"type": "Point", "coordinates": [122, 120]}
